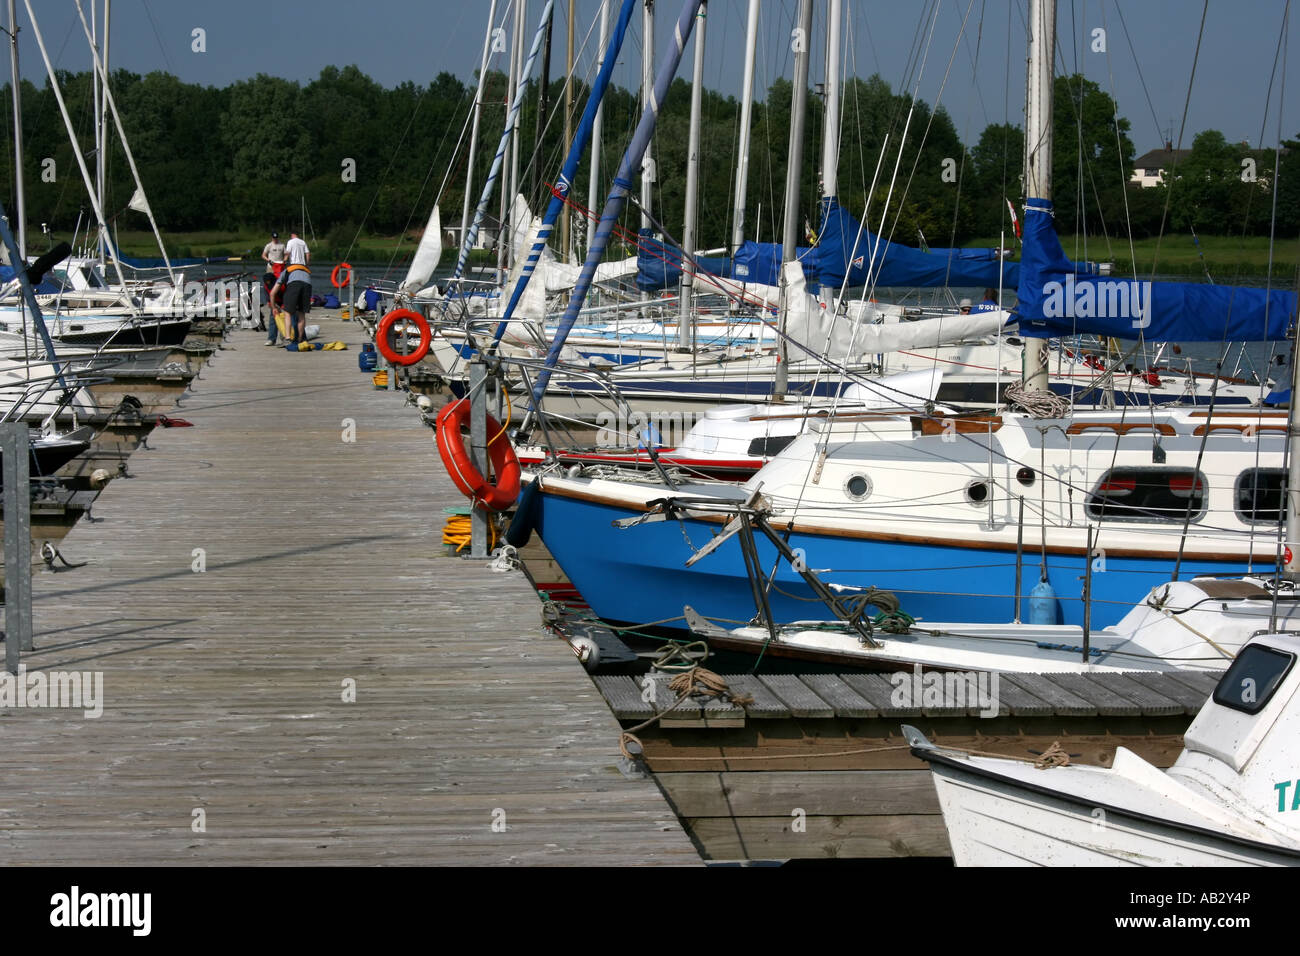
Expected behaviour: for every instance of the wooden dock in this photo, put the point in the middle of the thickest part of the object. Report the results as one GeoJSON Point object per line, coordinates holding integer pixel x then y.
{"type": "Point", "coordinates": [814, 765]}
{"type": "Point", "coordinates": [259, 571]}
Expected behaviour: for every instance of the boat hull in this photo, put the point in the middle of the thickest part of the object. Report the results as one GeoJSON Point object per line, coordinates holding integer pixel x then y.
{"type": "Point", "coordinates": [639, 574]}
{"type": "Point", "coordinates": [994, 821]}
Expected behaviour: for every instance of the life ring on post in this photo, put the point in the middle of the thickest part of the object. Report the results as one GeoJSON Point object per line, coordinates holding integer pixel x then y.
{"type": "Point", "coordinates": [385, 329]}
{"type": "Point", "coordinates": [342, 283]}
{"type": "Point", "coordinates": [496, 496]}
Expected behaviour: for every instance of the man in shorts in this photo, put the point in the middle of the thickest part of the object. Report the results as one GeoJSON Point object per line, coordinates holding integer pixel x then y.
{"type": "Point", "coordinates": [273, 253]}
{"type": "Point", "coordinates": [296, 280]}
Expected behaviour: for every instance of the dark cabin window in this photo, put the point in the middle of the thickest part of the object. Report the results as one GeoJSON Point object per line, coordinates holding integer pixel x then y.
{"type": "Point", "coordinates": [1148, 494]}
{"type": "Point", "coordinates": [1259, 495]}
{"type": "Point", "coordinates": [1253, 677]}
{"type": "Point", "coordinates": [766, 447]}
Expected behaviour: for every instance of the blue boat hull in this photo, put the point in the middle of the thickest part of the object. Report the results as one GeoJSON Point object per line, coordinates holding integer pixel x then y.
{"type": "Point", "coordinates": [639, 574]}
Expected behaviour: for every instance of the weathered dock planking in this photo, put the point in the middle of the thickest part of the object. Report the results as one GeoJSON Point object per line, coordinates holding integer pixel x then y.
{"type": "Point", "coordinates": [254, 567]}
{"type": "Point", "coordinates": [816, 765]}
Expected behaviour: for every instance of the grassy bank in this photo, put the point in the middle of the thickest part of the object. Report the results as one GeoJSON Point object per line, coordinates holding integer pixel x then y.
{"type": "Point", "coordinates": [247, 245]}
{"type": "Point", "coordinates": [1226, 258]}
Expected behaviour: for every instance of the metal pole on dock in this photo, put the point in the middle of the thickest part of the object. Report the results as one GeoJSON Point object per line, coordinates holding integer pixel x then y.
{"type": "Point", "coordinates": [15, 446]}
{"type": "Point", "coordinates": [1020, 555]}
{"type": "Point", "coordinates": [1087, 598]}
{"type": "Point", "coordinates": [478, 452]}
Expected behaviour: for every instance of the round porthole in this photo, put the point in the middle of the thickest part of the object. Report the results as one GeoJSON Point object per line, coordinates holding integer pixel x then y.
{"type": "Point", "coordinates": [977, 492]}
{"type": "Point", "coordinates": [857, 487]}
{"type": "Point", "coordinates": [1025, 476]}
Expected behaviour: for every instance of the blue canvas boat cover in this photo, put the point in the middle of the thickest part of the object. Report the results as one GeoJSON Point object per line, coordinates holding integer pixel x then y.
{"type": "Point", "coordinates": [659, 266]}
{"type": "Point", "coordinates": [844, 247]}
{"type": "Point", "coordinates": [1057, 298]}
{"type": "Point", "coordinates": [46, 286]}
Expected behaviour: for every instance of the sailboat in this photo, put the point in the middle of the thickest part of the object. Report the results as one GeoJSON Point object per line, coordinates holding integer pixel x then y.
{"type": "Point", "coordinates": [956, 515]}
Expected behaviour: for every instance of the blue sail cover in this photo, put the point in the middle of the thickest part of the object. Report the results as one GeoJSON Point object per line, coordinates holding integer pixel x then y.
{"type": "Point", "coordinates": [761, 262]}
{"type": "Point", "coordinates": [47, 286]}
{"type": "Point", "coordinates": [843, 246]}
{"type": "Point", "coordinates": [660, 267]}
{"type": "Point", "coordinates": [1057, 299]}
{"type": "Point", "coordinates": [841, 249]}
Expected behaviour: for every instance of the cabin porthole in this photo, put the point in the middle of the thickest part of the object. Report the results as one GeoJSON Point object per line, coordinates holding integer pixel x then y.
{"type": "Point", "coordinates": [857, 487]}
{"type": "Point", "coordinates": [1025, 476]}
{"type": "Point", "coordinates": [977, 493]}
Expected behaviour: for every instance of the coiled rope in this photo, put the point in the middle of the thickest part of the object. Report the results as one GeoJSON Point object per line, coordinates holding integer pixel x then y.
{"type": "Point", "coordinates": [1038, 403]}
{"type": "Point", "coordinates": [698, 680]}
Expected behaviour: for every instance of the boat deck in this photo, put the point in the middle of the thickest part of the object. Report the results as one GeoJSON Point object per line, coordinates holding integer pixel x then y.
{"type": "Point", "coordinates": [257, 571]}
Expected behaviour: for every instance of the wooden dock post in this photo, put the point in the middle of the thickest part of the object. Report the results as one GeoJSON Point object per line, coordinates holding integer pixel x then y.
{"type": "Point", "coordinates": [16, 448]}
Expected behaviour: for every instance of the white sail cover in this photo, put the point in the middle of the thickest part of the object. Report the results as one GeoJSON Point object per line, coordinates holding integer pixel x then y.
{"type": "Point", "coordinates": [814, 325]}
{"type": "Point", "coordinates": [426, 256]}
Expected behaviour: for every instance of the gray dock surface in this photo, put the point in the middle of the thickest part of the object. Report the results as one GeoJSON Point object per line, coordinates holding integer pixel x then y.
{"type": "Point", "coordinates": [474, 738]}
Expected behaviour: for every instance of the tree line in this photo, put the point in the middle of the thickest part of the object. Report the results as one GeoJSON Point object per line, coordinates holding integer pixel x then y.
{"type": "Point", "coordinates": [361, 157]}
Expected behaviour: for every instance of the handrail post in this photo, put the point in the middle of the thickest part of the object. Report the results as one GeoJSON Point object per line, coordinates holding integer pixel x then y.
{"type": "Point", "coordinates": [15, 446]}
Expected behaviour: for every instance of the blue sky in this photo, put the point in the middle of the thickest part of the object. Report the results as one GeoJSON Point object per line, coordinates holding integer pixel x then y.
{"type": "Point", "coordinates": [398, 40]}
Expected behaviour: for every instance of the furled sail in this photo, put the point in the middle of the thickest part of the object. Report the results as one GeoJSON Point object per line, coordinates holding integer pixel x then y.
{"type": "Point", "coordinates": [426, 256]}
{"type": "Point", "coordinates": [1055, 300]}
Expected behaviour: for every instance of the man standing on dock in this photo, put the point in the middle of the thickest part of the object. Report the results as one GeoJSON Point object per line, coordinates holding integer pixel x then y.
{"type": "Point", "coordinates": [296, 280]}
{"type": "Point", "coordinates": [273, 253]}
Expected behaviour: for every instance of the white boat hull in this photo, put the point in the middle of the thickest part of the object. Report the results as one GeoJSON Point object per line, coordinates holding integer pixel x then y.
{"type": "Point", "coordinates": [994, 822]}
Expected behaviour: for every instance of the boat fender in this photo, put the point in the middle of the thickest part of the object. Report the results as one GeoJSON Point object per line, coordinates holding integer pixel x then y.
{"type": "Point", "coordinates": [1043, 606]}
{"type": "Point", "coordinates": [525, 519]}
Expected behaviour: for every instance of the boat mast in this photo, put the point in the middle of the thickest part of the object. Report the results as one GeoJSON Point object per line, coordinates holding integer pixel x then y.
{"type": "Point", "coordinates": [498, 161]}
{"type": "Point", "coordinates": [686, 323]}
{"type": "Point", "coordinates": [1038, 150]}
{"type": "Point", "coordinates": [831, 136]}
{"type": "Point", "coordinates": [18, 136]}
{"type": "Point", "coordinates": [794, 164]}
{"type": "Point", "coordinates": [543, 104]}
{"type": "Point", "coordinates": [477, 109]}
{"type": "Point", "coordinates": [746, 120]}
{"type": "Point", "coordinates": [97, 124]}
{"type": "Point", "coordinates": [101, 131]}
{"type": "Point", "coordinates": [647, 102]}
{"type": "Point", "coordinates": [72, 136]}
{"type": "Point", "coordinates": [111, 106]}
{"type": "Point", "coordinates": [593, 181]}
{"type": "Point", "coordinates": [614, 205]}
{"type": "Point", "coordinates": [568, 125]}
{"type": "Point", "coordinates": [514, 97]}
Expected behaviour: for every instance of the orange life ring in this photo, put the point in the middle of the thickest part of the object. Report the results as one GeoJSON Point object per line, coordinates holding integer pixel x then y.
{"type": "Point", "coordinates": [496, 496]}
{"type": "Point", "coordinates": [386, 326]}
{"type": "Point", "coordinates": [334, 276]}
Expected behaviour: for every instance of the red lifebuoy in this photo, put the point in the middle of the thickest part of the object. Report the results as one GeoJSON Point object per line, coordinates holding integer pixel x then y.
{"type": "Point", "coordinates": [472, 483]}
{"type": "Point", "coordinates": [386, 327]}
{"type": "Point", "coordinates": [334, 276]}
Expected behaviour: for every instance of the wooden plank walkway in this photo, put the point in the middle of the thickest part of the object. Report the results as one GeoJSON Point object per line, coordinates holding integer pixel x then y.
{"type": "Point", "coordinates": [780, 696]}
{"type": "Point", "coordinates": [224, 688]}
